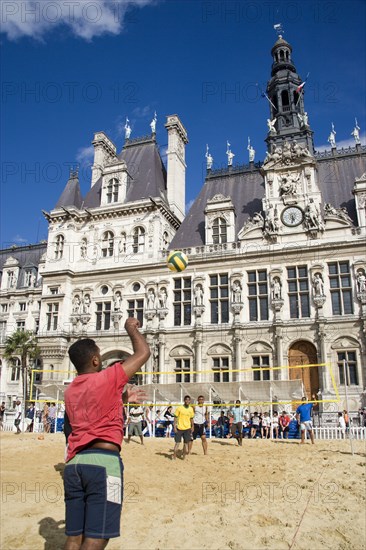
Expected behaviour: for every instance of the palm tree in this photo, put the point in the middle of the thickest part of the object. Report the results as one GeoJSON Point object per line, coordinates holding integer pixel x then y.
{"type": "Point", "coordinates": [23, 344]}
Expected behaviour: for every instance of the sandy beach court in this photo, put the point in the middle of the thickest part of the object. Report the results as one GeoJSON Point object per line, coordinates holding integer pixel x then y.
{"type": "Point", "coordinates": [276, 495]}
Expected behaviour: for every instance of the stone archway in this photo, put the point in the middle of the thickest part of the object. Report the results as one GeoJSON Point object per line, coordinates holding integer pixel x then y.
{"type": "Point", "coordinates": [304, 353]}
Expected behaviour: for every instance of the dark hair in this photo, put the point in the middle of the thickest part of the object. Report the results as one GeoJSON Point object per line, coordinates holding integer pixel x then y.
{"type": "Point", "coordinates": [187, 396]}
{"type": "Point", "coordinates": [199, 397]}
{"type": "Point", "coordinates": [81, 353]}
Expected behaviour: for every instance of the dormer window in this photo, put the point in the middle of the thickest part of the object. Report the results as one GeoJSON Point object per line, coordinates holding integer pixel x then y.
{"type": "Point", "coordinates": [219, 231]}
{"type": "Point", "coordinates": [59, 247]}
{"type": "Point", "coordinates": [112, 191]}
{"type": "Point", "coordinates": [107, 244]}
{"type": "Point", "coordinates": [138, 244]}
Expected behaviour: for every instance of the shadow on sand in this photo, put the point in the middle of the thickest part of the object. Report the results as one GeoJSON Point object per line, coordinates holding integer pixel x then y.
{"type": "Point", "coordinates": [53, 533]}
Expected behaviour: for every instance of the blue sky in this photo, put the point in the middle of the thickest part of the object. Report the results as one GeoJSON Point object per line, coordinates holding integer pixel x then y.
{"type": "Point", "coordinates": [84, 67]}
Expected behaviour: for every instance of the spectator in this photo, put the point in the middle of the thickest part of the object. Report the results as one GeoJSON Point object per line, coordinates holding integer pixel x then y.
{"type": "Point", "coordinates": [135, 422]}
{"type": "Point", "coordinates": [237, 425]}
{"type": "Point", "coordinates": [221, 424]}
{"type": "Point", "coordinates": [255, 425]}
{"type": "Point", "coordinates": [284, 424]}
{"type": "Point", "coordinates": [275, 425]}
{"type": "Point", "coordinates": [29, 417]}
{"type": "Point", "coordinates": [342, 424]}
{"type": "Point", "coordinates": [169, 421]}
{"type": "Point", "coordinates": [51, 420]}
{"type": "Point", "coordinates": [200, 421]}
{"type": "Point", "coordinates": [149, 419]}
{"type": "Point", "coordinates": [46, 424]}
{"type": "Point", "coordinates": [346, 419]}
{"type": "Point", "coordinates": [266, 426]}
{"type": "Point", "coordinates": [2, 412]}
{"type": "Point", "coordinates": [18, 415]}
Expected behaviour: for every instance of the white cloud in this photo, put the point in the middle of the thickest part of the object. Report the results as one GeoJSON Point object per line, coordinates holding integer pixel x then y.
{"type": "Point", "coordinates": [141, 112]}
{"type": "Point", "coordinates": [85, 156]}
{"type": "Point", "coordinates": [19, 239]}
{"type": "Point", "coordinates": [345, 143]}
{"type": "Point", "coordinates": [85, 18]}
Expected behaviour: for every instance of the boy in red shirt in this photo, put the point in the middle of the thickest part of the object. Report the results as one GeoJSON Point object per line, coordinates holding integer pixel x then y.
{"type": "Point", "coordinates": [93, 476]}
{"type": "Point", "coordinates": [285, 424]}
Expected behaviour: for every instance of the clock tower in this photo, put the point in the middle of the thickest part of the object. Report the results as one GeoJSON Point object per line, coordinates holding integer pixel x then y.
{"type": "Point", "coordinates": [292, 202]}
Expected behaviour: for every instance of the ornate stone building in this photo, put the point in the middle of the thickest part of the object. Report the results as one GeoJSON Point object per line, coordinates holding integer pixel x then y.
{"type": "Point", "coordinates": [277, 264]}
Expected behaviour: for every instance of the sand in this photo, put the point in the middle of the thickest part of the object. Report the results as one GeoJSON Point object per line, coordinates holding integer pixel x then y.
{"type": "Point", "coordinates": [264, 495]}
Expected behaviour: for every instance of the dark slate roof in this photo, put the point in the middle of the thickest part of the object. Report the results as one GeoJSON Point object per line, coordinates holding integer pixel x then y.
{"type": "Point", "coordinates": [246, 190]}
{"type": "Point", "coordinates": [27, 256]}
{"type": "Point", "coordinates": [71, 195]}
{"type": "Point", "coordinates": [337, 177]}
{"type": "Point", "coordinates": [147, 171]}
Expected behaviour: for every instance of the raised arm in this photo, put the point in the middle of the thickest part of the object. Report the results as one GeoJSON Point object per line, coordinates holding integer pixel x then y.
{"type": "Point", "coordinates": [141, 350]}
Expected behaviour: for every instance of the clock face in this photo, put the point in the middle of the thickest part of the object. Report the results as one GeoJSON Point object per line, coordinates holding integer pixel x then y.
{"type": "Point", "coordinates": [292, 216]}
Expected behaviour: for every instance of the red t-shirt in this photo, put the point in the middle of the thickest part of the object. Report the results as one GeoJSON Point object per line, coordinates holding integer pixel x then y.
{"type": "Point", "coordinates": [285, 421]}
{"type": "Point", "coordinates": [95, 409]}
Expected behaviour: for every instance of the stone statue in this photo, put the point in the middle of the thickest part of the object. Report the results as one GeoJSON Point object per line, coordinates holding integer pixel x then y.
{"type": "Point", "coordinates": [122, 244]}
{"type": "Point", "coordinates": [343, 214]}
{"type": "Point", "coordinates": [258, 219]}
{"type": "Point", "coordinates": [318, 285]}
{"type": "Point", "coordinates": [356, 133]}
{"type": "Point", "coordinates": [271, 125]}
{"type": "Point", "coordinates": [271, 224]}
{"type": "Point", "coordinates": [83, 248]}
{"type": "Point", "coordinates": [251, 151]}
{"type": "Point", "coordinates": [33, 279]}
{"type": "Point", "coordinates": [153, 124]}
{"type": "Point", "coordinates": [276, 289]}
{"type": "Point", "coordinates": [312, 216]}
{"type": "Point", "coordinates": [86, 303]}
{"type": "Point", "coordinates": [117, 300]}
{"type": "Point", "coordinates": [198, 295]}
{"type": "Point", "coordinates": [361, 281]}
{"type": "Point", "coordinates": [288, 185]}
{"type": "Point", "coordinates": [209, 159]}
{"type": "Point", "coordinates": [303, 119]}
{"type": "Point", "coordinates": [127, 129]}
{"type": "Point", "coordinates": [151, 299]}
{"type": "Point", "coordinates": [230, 155]}
{"type": "Point", "coordinates": [236, 292]}
{"type": "Point", "coordinates": [331, 138]}
{"type": "Point", "coordinates": [162, 297]}
{"type": "Point", "coordinates": [76, 305]}
{"type": "Point", "coordinates": [330, 210]}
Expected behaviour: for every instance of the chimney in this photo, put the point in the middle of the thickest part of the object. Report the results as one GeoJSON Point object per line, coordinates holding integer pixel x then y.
{"type": "Point", "coordinates": [176, 184]}
{"type": "Point", "coordinates": [104, 152]}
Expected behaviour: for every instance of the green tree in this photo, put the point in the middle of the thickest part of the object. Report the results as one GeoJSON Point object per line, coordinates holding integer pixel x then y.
{"type": "Point", "coordinates": [23, 344]}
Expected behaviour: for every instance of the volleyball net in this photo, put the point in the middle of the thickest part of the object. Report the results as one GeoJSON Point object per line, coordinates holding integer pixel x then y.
{"type": "Point", "coordinates": [286, 386]}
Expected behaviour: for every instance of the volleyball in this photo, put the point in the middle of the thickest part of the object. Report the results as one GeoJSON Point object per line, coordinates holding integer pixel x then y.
{"type": "Point", "coordinates": [177, 261]}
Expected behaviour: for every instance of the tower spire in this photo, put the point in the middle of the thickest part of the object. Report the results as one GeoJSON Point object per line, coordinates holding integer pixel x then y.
{"type": "Point", "coordinates": [285, 91]}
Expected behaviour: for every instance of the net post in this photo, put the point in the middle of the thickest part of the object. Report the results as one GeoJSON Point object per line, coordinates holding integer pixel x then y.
{"type": "Point", "coordinates": [345, 376]}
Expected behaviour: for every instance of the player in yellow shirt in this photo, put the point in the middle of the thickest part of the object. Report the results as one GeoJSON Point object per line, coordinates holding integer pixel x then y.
{"type": "Point", "coordinates": [183, 426]}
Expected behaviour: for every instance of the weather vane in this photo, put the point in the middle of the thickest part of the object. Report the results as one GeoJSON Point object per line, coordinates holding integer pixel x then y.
{"type": "Point", "coordinates": [279, 30]}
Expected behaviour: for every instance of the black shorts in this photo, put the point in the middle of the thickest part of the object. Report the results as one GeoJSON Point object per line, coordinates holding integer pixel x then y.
{"type": "Point", "coordinates": [199, 429]}
{"type": "Point", "coordinates": [93, 482]}
{"type": "Point", "coordinates": [186, 434]}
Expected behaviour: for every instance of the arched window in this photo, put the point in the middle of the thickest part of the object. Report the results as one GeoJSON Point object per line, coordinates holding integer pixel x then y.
{"type": "Point", "coordinates": [285, 98]}
{"type": "Point", "coordinates": [282, 55]}
{"type": "Point", "coordinates": [107, 244]}
{"type": "Point", "coordinates": [59, 247]}
{"type": "Point", "coordinates": [219, 231]}
{"type": "Point", "coordinates": [138, 244]}
{"type": "Point", "coordinates": [112, 190]}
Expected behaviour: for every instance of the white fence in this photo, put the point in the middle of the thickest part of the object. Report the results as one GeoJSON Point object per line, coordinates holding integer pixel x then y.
{"type": "Point", "coordinates": [331, 432]}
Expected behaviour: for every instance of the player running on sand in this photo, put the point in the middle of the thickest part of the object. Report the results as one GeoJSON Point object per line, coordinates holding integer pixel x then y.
{"type": "Point", "coordinates": [93, 476]}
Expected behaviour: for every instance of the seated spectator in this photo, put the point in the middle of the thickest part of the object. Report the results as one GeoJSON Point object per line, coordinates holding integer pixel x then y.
{"type": "Point", "coordinates": [255, 425]}
{"type": "Point", "coordinates": [285, 424]}
{"type": "Point", "coordinates": [266, 425]}
{"type": "Point", "coordinates": [275, 424]}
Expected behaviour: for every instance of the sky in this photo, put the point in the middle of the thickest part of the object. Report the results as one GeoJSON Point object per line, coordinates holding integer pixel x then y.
{"type": "Point", "coordinates": [72, 68]}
